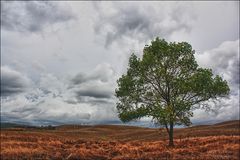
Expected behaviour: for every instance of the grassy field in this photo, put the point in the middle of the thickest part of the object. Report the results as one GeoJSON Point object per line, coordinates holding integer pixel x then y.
{"type": "Point", "coordinates": [207, 142]}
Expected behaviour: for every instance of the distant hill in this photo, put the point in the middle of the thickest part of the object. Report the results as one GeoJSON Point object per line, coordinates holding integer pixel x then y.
{"type": "Point", "coordinates": [6, 125]}
{"type": "Point", "coordinates": [131, 133]}
{"type": "Point", "coordinates": [11, 125]}
{"type": "Point", "coordinates": [234, 124]}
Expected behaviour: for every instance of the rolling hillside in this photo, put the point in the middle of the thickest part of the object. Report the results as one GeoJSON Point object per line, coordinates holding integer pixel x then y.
{"type": "Point", "coordinates": [218, 141]}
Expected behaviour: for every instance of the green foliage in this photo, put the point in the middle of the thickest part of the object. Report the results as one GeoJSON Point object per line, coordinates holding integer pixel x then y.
{"type": "Point", "coordinates": [166, 84]}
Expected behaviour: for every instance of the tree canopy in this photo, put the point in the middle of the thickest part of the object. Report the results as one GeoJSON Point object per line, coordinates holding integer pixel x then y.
{"type": "Point", "coordinates": [166, 84]}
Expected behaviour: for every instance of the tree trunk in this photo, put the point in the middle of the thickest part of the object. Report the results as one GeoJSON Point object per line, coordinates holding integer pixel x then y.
{"type": "Point", "coordinates": [171, 144]}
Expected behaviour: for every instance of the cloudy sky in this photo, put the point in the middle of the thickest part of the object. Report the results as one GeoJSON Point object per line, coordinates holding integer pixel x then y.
{"type": "Point", "coordinates": [60, 60]}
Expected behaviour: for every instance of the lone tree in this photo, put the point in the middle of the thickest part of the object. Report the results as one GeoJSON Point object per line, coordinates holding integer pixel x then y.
{"type": "Point", "coordinates": [167, 85]}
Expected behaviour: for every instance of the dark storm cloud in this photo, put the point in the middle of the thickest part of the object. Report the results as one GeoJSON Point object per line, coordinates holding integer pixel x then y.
{"type": "Point", "coordinates": [97, 85]}
{"type": "Point", "coordinates": [12, 82]}
{"type": "Point", "coordinates": [11, 117]}
{"type": "Point", "coordinates": [126, 22]}
{"type": "Point", "coordinates": [140, 22]}
{"type": "Point", "coordinates": [94, 92]}
{"type": "Point", "coordinates": [36, 116]}
{"type": "Point", "coordinates": [79, 78]}
{"type": "Point", "coordinates": [103, 72]}
{"type": "Point", "coordinates": [32, 16]}
{"type": "Point", "coordinates": [235, 71]}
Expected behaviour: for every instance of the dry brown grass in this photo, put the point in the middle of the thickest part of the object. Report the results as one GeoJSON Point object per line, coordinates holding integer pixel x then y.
{"type": "Point", "coordinates": [121, 142]}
